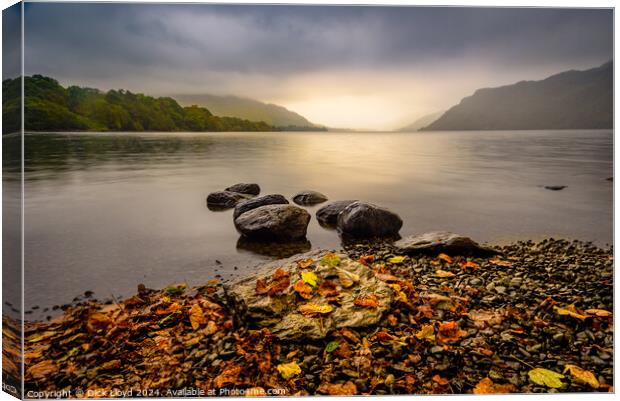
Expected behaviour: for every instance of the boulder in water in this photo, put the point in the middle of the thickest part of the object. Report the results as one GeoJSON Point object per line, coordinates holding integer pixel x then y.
{"type": "Point", "coordinates": [309, 198]}
{"type": "Point", "coordinates": [248, 189]}
{"type": "Point", "coordinates": [365, 220]}
{"type": "Point", "coordinates": [224, 199]}
{"type": "Point", "coordinates": [327, 216]}
{"type": "Point", "coordinates": [274, 222]}
{"type": "Point", "coordinates": [250, 204]}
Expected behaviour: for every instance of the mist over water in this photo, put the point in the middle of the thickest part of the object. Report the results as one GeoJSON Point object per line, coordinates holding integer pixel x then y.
{"type": "Point", "coordinates": [105, 212]}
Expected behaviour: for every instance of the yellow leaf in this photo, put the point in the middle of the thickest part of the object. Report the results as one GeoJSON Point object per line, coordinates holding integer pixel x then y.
{"type": "Point", "coordinates": [312, 308]}
{"type": "Point", "coordinates": [331, 259]}
{"type": "Point", "coordinates": [445, 258]}
{"type": "Point", "coordinates": [545, 377]}
{"type": "Point", "coordinates": [444, 274]}
{"type": "Point", "coordinates": [396, 259]}
{"type": "Point", "coordinates": [426, 333]}
{"type": "Point", "coordinates": [309, 278]}
{"type": "Point", "coordinates": [598, 312]}
{"type": "Point", "coordinates": [569, 311]}
{"type": "Point", "coordinates": [196, 316]}
{"type": "Point", "coordinates": [582, 376]}
{"type": "Point", "coordinates": [288, 370]}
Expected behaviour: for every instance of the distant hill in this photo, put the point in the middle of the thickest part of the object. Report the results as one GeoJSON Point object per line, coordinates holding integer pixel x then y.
{"type": "Point", "coordinates": [249, 109]}
{"type": "Point", "coordinates": [52, 107]}
{"type": "Point", "coordinates": [421, 122]}
{"type": "Point", "coordinates": [568, 100]}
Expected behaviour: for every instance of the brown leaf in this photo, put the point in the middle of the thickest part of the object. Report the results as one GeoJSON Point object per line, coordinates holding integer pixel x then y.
{"type": "Point", "coordinates": [582, 376]}
{"type": "Point", "coordinates": [347, 388]}
{"type": "Point", "coordinates": [469, 265]}
{"type": "Point", "coordinates": [230, 375]}
{"type": "Point", "coordinates": [42, 369]}
{"type": "Point", "coordinates": [444, 274]}
{"type": "Point", "coordinates": [445, 258]}
{"type": "Point", "coordinates": [305, 263]}
{"type": "Point", "coordinates": [598, 312]}
{"type": "Point", "coordinates": [386, 277]}
{"type": "Point", "coordinates": [314, 309]}
{"type": "Point", "coordinates": [499, 262]}
{"type": "Point", "coordinates": [327, 289]}
{"type": "Point", "coordinates": [486, 386]}
{"type": "Point", "coordinates": [440, 380]}
{"type": "Point", "coordinates": [367, 300]}
{"type": "Point", "coordinates": [98, 321]}
{"type": "Point", "coordinates": [303, 289]}
{"type": "Point", "coordinates": [261, 287]}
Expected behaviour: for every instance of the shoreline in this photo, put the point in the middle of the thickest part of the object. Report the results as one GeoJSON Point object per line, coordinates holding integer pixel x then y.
{"type": "Point", "coordinates": [490, 322]}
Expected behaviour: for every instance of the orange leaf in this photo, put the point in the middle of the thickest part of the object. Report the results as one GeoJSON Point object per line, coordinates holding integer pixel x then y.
{"type": "Point", "coordinates": [303, 289]}
{"type": "Point", "coordinates": [486, 386]}
{"type": "Point", "coordinates": [366, 259]}
{"type": "Point", "coordinates": [444, 274]}
{"type": "Point", "coordinates": [196, 316]}
{"type": "Point", "coordinates": [445, 258]}
{"type": "Point", "coordinates": [449, 332]}
{"type": "Point", "coordinates": [499, 262]}
{"type": "Point", "coordinates": [598, 312]}
{"type": "Point", "coordinates": [469, 265]}
{"type": "Point", "coordinates": [347, 388]}
{"type": "Point", "coordinates": [312, 309]}
{"type": "Point", "coordinates": [328, 289]}
{"type": "Point", "coordinates": [368, 301]}
{"type": "Point", "coordinates": [440, 380]}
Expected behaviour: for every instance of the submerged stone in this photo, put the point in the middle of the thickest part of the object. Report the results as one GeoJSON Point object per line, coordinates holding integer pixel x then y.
{"type": "Point", "coordinates": [308, 198]}
{"type": "Point", "coordinates": [274, 222]}
{"type": "Point", "coordinates": [442, 242]}
{"type": "Point", "coordinates": [224, 199]}
{"type": "Point", "coordinates": [242, 188]}
{"type": "Point", "coordinates": [365, 220]}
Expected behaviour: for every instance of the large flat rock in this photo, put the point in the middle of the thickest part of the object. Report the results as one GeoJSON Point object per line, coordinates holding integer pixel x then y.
{"type": "Point", "coordinates": [342, 285]}
{"type": "Point", "coordinates": [442, 242]}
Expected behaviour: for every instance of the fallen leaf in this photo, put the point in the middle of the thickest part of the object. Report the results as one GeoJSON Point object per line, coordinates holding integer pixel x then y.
{"type": "Point", "coordinates": [332, 346]}
{"type": "Point", "coordinates": [368, 301]}
{"type": "Point", "coordinates": [347, 388]}
{"type": "Point", "coordinates": [309, 278]}
{"type": "Point", "coordinates": [445, 258]}
{"type": "Point", "coordinates": [288, 370]}
{"type": "Point", "coordinates": [440, 380]}
{"type": "Point", "coordinates": [303, 289]}
{"type": "Point", "coordinates": [427, 332]}
{"type": "Point", "coordinates": [313, 309]}
{"type": "Point", "coordinates": [499, 262]}
{"type": "Point", "coordinates": [598, 312]}
{"type": "Point", "coordinates": [196, 316]}
{"type": "Point", "coordinates": [469, 265]}
{"type": "Point", "coordinates": [545, 377]}
{"type": "Point", "coordinates": [570, 310]}
{"type": "Point", "coordinates": [444, 274]}
{"type": "Point", "coordinates": [42, 369]}
{"type": "Point", "coordinates": [396, 259]}
{"type": "Point", "coordinates": [486, 386]}
{"type": "Point", "coordinates": [366, 259]}
{"type": "Point", "coordinates": [582, 376]}
{"type": "Point", "coordinates": [98, 321]}
{"type": "Point", "coordinates": [305, 263]}
{"type": "Point", "coordinates": [230, 375]}
{"type": "Point", "coordinates": [261, 287]}
{"type": "Point", "coordinates": [328, 289]}
{"type": "Point", "coordinates": [449, 332]}
{"type": "Point", "coordinates": [386, 277]}
{"type": "Point", "coordinates": [331, 259]}
{"type": "Point", "coordinates": [347, 279]}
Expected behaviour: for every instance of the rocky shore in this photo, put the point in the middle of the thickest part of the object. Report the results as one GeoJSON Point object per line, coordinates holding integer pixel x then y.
{"type": "Point", "coordinates": [374, 318]}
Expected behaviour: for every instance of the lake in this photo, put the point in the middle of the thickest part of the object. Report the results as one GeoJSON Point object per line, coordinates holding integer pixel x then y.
{"type": "Point", "coordinates": [107, 211]}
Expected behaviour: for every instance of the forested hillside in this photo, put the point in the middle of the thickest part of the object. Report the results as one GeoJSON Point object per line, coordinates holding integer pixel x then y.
{"type": "Point", "coordinates": [51, 107]}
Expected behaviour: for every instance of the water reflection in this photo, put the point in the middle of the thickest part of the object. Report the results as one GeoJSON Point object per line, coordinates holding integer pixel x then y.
{"type": "Point", "coordinates": [273, 249]}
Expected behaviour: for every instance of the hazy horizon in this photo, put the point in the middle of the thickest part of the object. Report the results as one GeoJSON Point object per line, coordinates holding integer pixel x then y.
{"type": "Point", "coordinates": [363, 67]}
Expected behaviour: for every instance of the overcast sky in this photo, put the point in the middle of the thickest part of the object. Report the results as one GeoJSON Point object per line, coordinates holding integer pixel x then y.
{"type": "Point", "coordinates": [371, 67]}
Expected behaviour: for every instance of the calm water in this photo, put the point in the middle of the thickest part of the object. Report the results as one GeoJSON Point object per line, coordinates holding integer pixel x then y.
{"type": "Point", "coordinates": [105, 212]}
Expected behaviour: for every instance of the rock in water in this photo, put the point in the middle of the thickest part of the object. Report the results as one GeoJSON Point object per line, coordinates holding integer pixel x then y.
{"type": "Point", "coordinates": [274, 222]}
{"type": "Point", "coordinates": [442, 242]}
{"type": "Point", "coordinates": [248, 189]}
{"type": "Point", "coordinates": [327, 216]}
{"type": "Point", "coordinates": [224, 199]}
{"type": "Point", "coordinates": [365, 220]}
{"type": "Point", "coordinates": [259, 304]}
{"type": "Point", "coordinates": [555, 187]}
{"type": "Point", "coordinates": [308, 198]}
{"type": "Point", "coordinates": [250, 204]}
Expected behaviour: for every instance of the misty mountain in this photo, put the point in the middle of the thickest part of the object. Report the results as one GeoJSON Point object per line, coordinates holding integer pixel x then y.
{"type": "Point", "coordinates": [421, 122]}
{"type": "Point", "coordinates": [248, 109]}
{"type": "Point", "coordinates": [568, 100]}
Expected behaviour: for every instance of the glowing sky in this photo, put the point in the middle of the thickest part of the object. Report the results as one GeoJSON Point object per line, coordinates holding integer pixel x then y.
{"type": "Point", "coordinates": [358, 67]}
